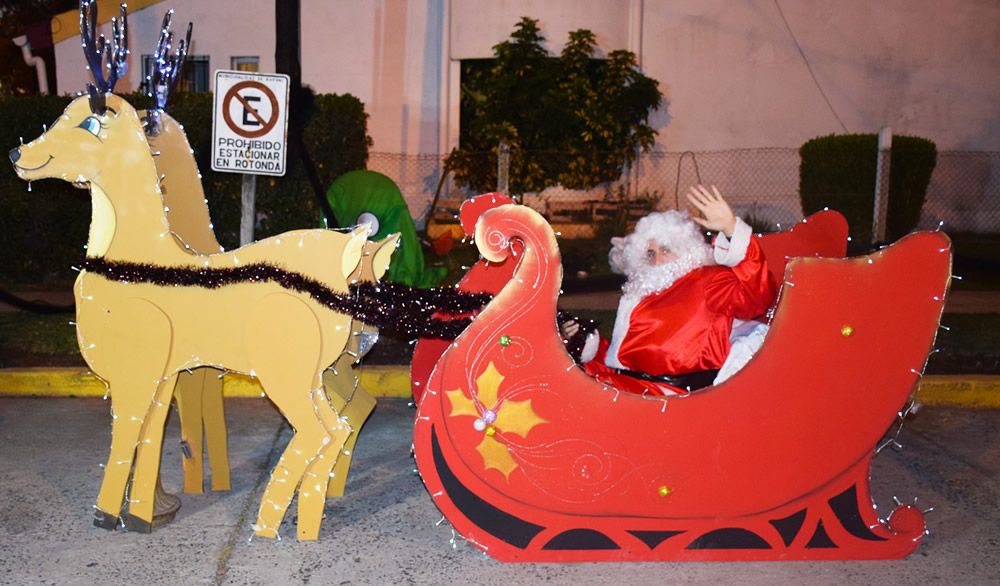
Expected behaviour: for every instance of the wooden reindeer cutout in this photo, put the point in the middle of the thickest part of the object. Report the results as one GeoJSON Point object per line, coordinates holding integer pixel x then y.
{"type": "Point", "coordinates": [199, 393]}
{"type": "Point", "coordinates": [148, 308]}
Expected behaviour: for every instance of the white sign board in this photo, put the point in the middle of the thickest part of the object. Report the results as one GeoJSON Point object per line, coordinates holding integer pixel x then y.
{"type": "Point", "coordinates": [250, 123]}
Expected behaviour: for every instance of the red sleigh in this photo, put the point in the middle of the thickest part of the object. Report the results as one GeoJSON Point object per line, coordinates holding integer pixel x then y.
{"type": "Point", "coordinates": [532, 460]}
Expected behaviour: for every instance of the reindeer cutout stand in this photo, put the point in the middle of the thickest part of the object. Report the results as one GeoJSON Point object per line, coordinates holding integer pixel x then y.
{"type": "Point", "coordinates": [199, 392]}
{"type": "Point", "coordinates": [149, 308]}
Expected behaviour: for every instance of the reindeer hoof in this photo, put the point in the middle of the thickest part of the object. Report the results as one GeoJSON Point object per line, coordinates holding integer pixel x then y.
{"type": "Point", "coordinates": [133, 523]}
{"type": "Point", "coordinates": [105, 520]}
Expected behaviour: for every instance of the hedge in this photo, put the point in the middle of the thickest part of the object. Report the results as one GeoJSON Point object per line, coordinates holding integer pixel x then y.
{"type": "Point", "coordinates": [43, 232]}
{"type": "Point", "coordinates": [838, 171]}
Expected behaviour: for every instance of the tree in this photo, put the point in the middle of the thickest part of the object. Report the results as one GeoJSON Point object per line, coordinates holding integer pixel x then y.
{"type": "Point", "coordinates": [572, 120]}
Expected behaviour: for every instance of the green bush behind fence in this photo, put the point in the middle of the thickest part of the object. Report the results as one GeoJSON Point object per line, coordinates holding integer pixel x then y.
{"type": "Point", "coordinates": [838, 171]}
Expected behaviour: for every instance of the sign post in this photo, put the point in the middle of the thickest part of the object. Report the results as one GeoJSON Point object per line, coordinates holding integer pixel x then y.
{"type": "Point", "coordinates": [250, 132]}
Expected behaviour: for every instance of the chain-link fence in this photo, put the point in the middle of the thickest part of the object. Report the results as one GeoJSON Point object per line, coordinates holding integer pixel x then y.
{"type": "Point", "coordinates": [761, 184]}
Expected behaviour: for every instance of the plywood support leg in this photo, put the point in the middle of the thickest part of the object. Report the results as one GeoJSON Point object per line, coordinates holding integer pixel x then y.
{"type": "Point", "coordinates": [216, 436]}
{"type": "Point", "coordinates": [188, 393]}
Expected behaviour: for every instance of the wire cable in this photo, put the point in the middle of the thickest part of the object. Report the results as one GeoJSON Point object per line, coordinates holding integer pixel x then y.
{"type": "Point", "coordinates": [808, 67]}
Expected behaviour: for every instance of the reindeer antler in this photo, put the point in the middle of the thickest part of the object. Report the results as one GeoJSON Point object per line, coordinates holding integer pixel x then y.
{"type": "Point", "coordinates": [97, 48]}
{"type": "Point", "coordinates": [166, 68]}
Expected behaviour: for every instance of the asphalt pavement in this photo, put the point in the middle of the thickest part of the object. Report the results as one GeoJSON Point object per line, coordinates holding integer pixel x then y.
{"type": "Point", "coordinates": [386, 529]}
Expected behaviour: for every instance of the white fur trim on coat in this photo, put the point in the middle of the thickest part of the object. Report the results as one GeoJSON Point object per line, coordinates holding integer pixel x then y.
{"type": "Point", "coordinates": [730, 252]}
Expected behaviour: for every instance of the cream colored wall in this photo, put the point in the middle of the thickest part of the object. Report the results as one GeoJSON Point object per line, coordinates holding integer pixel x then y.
{"type": "Point", "coordinates": [222, 29]}
{"type": "Point", "coordinates": [730, 72]}
{"type": "Point", "coordinates": [733, 76]}
{"type": "Point", "coordinates": [387, 53]}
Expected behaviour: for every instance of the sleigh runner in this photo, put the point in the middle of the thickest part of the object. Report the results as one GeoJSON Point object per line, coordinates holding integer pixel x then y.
{"type": "Point", "coordinates": [532, 460]}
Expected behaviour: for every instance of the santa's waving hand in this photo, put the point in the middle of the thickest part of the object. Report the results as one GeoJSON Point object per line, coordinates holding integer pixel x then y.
{"type": "Point", "coordinates": [718, 215]}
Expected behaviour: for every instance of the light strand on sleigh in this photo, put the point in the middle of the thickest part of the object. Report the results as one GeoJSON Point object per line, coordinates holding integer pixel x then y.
{"type": "Point", "coordinates": [912, 405]}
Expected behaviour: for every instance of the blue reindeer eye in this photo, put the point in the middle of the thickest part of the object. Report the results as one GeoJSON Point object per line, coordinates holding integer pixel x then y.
{"type": "Point", "coordinates": [91, 125]}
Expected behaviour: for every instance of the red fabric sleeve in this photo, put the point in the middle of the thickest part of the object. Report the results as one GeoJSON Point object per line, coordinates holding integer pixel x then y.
{"type": "Point", "coordinates": [747, 290]}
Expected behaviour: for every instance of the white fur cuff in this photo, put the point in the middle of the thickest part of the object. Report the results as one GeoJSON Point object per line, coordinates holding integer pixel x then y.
{"type": "Point", "coordinates": [731, 252]}
{"type": "Point", "coordinates": [590, 347]}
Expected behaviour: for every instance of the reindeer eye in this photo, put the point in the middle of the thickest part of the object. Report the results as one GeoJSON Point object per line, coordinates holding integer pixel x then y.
{"type": "Point", "coordinates": [91, 125]}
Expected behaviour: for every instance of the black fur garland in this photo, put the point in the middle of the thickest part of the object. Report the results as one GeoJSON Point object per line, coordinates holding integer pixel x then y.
{"type": "Point", "coordinates": [390, 306]}
{"type": "Point", "coordinates": [385, 305]}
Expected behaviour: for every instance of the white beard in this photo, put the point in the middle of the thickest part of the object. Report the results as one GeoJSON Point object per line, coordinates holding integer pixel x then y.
{"type": "Point", "coordinates": [653, 279]}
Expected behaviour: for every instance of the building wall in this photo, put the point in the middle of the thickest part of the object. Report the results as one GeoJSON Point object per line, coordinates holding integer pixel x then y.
{"type": "Point", "coordinates": [222, 29]}
{"type": "Point", "coordinates": [732, 74]}
{"type": "Point", "coordinates": [734, 77]}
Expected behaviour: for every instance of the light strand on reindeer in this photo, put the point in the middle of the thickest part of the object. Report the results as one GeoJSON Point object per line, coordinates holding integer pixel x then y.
{"type": "Point", "coordinates": [103, 54]}
{"type": "Point", "coordinates": [166, 68]}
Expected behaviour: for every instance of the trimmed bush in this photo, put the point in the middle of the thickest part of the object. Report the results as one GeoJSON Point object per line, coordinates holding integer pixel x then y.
{"type": "Point", "coordinates": [838, 171]}
{"type": "Point", "coordinates": [43, 232]}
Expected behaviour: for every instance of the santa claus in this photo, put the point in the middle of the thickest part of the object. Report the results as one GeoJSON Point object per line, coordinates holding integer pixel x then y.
{"type": "Point", "coordinates": [686, 318]}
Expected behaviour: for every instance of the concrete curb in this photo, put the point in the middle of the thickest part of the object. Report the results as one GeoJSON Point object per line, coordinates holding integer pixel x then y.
{"type": "Point", "coordinates": [394, 381]}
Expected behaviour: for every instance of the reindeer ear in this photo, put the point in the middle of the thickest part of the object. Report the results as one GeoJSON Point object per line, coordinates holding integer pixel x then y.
{"type": "Point", "coordinates": [383, 252]}
{"type": "Point", "coordinates": [352, 251]}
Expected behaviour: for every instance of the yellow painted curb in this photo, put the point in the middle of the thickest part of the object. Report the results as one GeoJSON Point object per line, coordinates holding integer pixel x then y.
{"type": "Point", "coordinates": [958, 390]}
{"type": "Point", "coordinates": [51, 381]}
{"type": "Point", "coordinates": [379, 381]}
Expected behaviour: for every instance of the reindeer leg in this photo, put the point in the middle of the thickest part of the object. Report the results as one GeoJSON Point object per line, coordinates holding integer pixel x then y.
{"type": "Point", "coordinates": [312, 495]}
{"type": "Point", "coordinates": [147, 460]}
{"type": "Point", "coordinates": [216, 438]}
{"type": "Point", "coordinates": [137, 328]}
{"type": "Point", "coordinates": [188, 394]}
{"type": "Point", "coordinates": [288, 373]}
{"type": "Point", "coordinates": [353, 404]}
{"type": "Point", "coordinates": [124, 434]}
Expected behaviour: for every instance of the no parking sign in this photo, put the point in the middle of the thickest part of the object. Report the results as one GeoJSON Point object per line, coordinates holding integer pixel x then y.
{"type": "Point", "coordinates": [250, 123]}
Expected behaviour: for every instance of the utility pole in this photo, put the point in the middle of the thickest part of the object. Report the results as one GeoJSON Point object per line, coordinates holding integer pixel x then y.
{"type": "Point", "coordinates": [288, 60]}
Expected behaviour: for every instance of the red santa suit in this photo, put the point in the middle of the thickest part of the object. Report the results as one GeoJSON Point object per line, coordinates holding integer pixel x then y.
{"type": "Point", "coordinates": [686, 327]}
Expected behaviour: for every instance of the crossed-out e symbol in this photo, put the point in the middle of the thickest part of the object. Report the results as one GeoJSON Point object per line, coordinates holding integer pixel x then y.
{"type": "Point", "coordinates": [251, 117]}
{"type": "Point", "coordinates": [247, 120]}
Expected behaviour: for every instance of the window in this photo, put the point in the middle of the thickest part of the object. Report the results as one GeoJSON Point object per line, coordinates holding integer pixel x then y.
{"type": "Point", "coordinates": [245, 63]}
{"type": "Point", "coordinates": [194, 77]}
